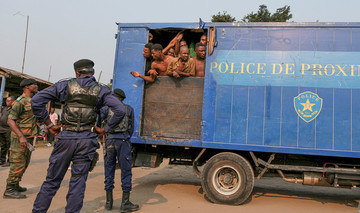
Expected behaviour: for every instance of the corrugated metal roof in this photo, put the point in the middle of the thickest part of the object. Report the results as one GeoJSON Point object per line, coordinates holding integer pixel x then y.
{"type": "Point", "coordinates": [13, 79]}
{"type": "Point", "coordinates": [12, 73]}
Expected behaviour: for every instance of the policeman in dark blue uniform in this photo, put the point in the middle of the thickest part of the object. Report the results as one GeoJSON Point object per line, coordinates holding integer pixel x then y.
{"type": "Point", "coordinates": [118, 145]}
{"type": "Point", "coordinates": [77, 142]}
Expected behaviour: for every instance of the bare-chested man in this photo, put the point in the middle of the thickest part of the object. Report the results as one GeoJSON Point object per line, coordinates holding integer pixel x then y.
{"type": "Point", "coordinates": [161, 61]}
{"type": "Point", "coordinates": [149, 74]}
{"type": "Point", "coordinates": [182, 66]}
{"type": "Point", "coordinates": [199, 59]}
{"type": "Point", "coordinates": [158, 66]}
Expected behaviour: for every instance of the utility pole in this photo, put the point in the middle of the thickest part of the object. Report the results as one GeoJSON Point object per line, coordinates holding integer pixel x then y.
{"type": "Point", "coordinates": [49, 74]}
{"type": "Point", "coordinates": [99, 76]}
{"type": "Point", "coordinates": [27, 27]}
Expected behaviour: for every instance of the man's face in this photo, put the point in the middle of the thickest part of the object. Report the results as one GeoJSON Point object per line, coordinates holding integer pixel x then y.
{"type": "Point", "coordinates": [52, 110]}
{"type": "Point", "coordinates": [33, 88]}
{"type": "Point", "coordinates": [150, 37]}
{"type": "Point", "coordinates": [156, 54]}
{"type": "Point", "coordinates": [203, 40]}
{"type": "Point", "coordinates": [146, 52]}
{"type": "Point", "coordinates": [171, 52]}
{"type": "Point", "coordinates": [184, 54]}
{"type": "Point", "coordinates": [200, 52]}
{"type": "Point", "coordinates": [9, 102]}
{"type": "Point", "coordinates": [183, 43]}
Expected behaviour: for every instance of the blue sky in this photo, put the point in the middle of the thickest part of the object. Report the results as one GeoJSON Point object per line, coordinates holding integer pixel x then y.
{"type": "Point", "coordinates": [61, 32]}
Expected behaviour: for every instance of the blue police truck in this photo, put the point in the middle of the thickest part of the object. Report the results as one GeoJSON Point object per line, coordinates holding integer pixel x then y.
{"type": "Point", "coordinates": [277, 99]}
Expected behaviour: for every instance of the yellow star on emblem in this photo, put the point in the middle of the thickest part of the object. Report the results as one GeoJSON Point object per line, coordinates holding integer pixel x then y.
{"type": "Point", "coordinates": [307, 105]}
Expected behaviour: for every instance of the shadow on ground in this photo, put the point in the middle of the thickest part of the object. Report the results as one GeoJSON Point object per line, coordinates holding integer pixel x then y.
{"type": "Point", "coordinates": [275, 187]}
{"type": "Point", "coordinates": [144, 190]}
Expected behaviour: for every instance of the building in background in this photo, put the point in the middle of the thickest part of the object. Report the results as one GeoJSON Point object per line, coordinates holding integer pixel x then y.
{"type": "Point", "coordinates": [10, 81]}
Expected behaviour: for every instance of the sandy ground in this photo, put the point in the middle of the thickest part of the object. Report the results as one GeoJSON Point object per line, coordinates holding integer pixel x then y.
{"type": "Point", "coordinates": [177, 189]}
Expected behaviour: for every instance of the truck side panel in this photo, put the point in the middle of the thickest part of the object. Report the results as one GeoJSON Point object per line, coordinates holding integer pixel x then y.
{"type": "Point", "coordinates": [128, 57]}
{"type": "Point", "coordinates": [172, 109]}
{"type": "Point", "coordinates": [356, 122]}
{"type": "Point", "coordinates": [254, 76]}
{"type": "Point", "coordinates": [252, 80]}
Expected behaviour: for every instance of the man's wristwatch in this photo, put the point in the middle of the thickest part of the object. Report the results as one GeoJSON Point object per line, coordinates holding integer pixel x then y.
{"type": "Point", "coordinates": [50, 125]}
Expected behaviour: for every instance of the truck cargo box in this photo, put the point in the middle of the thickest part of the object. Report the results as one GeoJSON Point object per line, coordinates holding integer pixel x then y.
{"type": "Point", "coordinates": [276, 98]}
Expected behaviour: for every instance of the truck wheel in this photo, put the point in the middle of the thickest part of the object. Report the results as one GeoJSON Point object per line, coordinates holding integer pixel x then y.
{"type": "Point", "coordinates": [227, 178]}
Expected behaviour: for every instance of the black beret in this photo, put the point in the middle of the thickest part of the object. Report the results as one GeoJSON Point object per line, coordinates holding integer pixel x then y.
{"type": "Point", "coordinates": [157, 47]}
{"type": "Point", "coordinates": [119, 93]}
{"type": "Point", "coordinates": [83, 63]}
{"type": "Point", "coordinates": [27, 82]}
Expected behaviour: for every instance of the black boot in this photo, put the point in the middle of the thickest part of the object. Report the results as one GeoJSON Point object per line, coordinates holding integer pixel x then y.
{"type": "Point", "coordinates": [126, 205]}
{"type": "Point", "coordinates": [19, 188]}
{"type": "Point", "coordinates": [109, 200]}
{"type": "Point", "coordinates": [12, 193]}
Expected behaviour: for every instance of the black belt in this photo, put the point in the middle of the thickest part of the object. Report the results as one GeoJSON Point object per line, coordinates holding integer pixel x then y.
{"type": "Point", "coordinates": [78, 129]}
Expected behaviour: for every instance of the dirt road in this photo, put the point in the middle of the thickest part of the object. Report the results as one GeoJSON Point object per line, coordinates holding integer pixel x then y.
{"type": "Point", "coordinates": [176, 189]}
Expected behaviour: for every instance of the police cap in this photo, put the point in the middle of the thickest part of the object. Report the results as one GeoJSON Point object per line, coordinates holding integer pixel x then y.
{"type": "Point", "coordinates": [27, 82]}
{"type": "Point", "coordinates": [119, 93]}
{"type": "Point", "coordinates": [83, 63]}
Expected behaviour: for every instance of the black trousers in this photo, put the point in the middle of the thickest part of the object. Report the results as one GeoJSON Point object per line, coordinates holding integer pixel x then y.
{"type": "Point", "coordinates": [5, 145]}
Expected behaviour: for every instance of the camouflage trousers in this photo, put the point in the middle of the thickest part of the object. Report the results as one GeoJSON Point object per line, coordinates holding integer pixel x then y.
{"type": "Point", "coordinates": [19, 159]}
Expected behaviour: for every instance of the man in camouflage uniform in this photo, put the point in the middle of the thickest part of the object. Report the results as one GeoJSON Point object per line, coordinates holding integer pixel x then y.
{"type": "Point", "coordinates": [23, 125]}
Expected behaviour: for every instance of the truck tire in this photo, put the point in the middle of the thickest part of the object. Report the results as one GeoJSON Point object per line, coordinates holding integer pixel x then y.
{"type": "Point", "coordinates": [227, 178]}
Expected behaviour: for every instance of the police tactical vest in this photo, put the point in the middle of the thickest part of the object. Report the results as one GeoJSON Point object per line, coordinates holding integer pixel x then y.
{"type": "Point", "coordinates": [80, 106]}
{"type": "Point", "coordinates": [124, 125]}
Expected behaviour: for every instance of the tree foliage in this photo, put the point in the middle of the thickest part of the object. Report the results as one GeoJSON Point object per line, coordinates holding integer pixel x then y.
{"type": "Point", "coordinates": [224, 17]}
{"type": "Point", "coordinates": [263, 15]}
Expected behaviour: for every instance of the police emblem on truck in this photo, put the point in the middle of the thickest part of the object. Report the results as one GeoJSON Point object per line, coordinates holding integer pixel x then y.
{"type": "Point", "coordinates": [308, 105]}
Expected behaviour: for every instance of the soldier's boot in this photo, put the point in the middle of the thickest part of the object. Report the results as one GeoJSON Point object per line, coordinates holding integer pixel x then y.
{"type": "Point", "coordinates": [12, 193]}
{"type": "Point", "coordinates": [126, 205]}
{"type": "Point", "coordinates": [109, 200]}
{"type": "Point", "coordinates": [20, 189]}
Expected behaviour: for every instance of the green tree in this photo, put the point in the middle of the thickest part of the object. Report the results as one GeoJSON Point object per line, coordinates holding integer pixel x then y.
{"type": "Point", "coordinates": [263, 15]}
{"type": "Point", "coordinates": [282, 14]}
{"type": "Point", "coordinates": [224, 17]}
